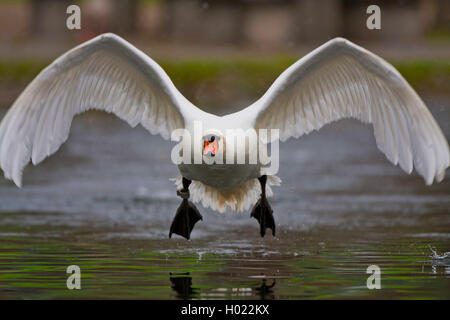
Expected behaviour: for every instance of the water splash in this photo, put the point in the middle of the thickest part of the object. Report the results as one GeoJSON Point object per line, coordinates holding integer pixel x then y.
{"type": "Point", "coordinates": [436, 256]}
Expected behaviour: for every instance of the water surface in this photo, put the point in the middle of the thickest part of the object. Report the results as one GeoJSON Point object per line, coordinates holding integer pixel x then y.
{"type": "Point", "coordinates": [104, 202]}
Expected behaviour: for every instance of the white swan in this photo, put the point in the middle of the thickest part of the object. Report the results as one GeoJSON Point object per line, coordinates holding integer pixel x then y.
{"type": "Point", "coordinates": [337, 80]}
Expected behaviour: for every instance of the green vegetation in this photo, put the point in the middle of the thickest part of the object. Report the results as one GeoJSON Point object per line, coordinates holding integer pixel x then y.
{"type": "Point", "coordinates": [13, 1]}
{"type": "Point", "coordinates": [247, 74]}
{"type": "Point", "coordinates": [24, 70]}
{"type": "Point", "coordinates": [251, 75]}
{"type": "Point", "coordinates": [424, 75]}
{"type": "Point", "coordinates": [439, 35]}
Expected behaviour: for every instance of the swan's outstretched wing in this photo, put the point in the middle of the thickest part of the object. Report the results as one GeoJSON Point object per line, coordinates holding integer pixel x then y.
{"type": "Point", "coordinates": [106, 73]}
{"type": "Point", "coordinates": [342, 80]}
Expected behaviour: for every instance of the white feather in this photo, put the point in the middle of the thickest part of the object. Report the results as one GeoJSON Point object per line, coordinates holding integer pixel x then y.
{"type": "Point", "coordinates": [342, 80]}
{"type": "Point", "coordinates": [239, 198]}
{"type": "Point", "coordinates": [106, 73]}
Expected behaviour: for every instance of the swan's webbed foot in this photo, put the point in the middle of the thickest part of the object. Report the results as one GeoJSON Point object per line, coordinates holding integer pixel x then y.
{"type": "Point", "coordinates": [185, 219]}
{"type": "Point", "coordinates": [187, 214]}
{"type": "Point", "coordinates": [262, 211]}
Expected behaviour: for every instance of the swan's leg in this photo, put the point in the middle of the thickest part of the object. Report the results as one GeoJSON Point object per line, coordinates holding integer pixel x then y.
{"type": "Point", "coordinates": [187, 214]}
{"type": "Point", "coordinates": [262, 210]}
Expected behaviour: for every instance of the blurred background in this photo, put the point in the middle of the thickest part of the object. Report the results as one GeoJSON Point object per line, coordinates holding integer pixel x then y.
{"type": "Point", "coordinates": [224, 54]}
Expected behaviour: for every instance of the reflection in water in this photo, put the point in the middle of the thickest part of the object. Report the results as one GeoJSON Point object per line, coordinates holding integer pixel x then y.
{"type": "Point", "coordinates": [182, 285]}
{"type": "Point", "coordinates": [436, 256]}
{"type": "Point", "coordinates": [439, 261]}
{"type": "Point", "coordinates": [265, 291]}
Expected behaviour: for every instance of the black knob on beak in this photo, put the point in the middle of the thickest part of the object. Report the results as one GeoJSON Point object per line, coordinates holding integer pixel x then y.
{"type": "Point", "coordinates": [212, 139]}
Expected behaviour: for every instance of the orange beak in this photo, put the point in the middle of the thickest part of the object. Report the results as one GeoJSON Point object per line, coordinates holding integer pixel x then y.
{"type": "Point", "coordinates": [210, 148]}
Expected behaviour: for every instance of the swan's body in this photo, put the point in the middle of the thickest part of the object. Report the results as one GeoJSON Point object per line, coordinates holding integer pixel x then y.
{"type": "Point", "coordinates": [220, 176]}
{"type": "Point", "coordinates": [337, 80]}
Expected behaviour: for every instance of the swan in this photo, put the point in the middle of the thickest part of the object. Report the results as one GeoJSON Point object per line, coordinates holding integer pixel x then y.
{"type": "Point", "coordinates": [335, 81]}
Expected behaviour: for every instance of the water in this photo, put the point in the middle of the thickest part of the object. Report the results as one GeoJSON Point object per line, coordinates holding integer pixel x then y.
{"type": "Point", "coordinates": [104, 202]}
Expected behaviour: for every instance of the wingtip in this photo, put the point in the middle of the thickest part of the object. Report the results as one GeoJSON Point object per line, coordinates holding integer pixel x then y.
{"type": "Point", "coordinates": [17, 180]}
{"type": "Point", "coordinates": [440, 176]}
{"type": "Point", "coordinates": [429, 180]}
{"type": "Point", "coordinates": [18, 183]}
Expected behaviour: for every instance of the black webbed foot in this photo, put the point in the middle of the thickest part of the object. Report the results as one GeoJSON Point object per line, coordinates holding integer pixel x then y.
{"type": "Point", "coordinates": [187, 214]}
{"type": "Point", "coordinates": [262, 211]}
{"type": "Point", "coordinates": [185, 219]}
